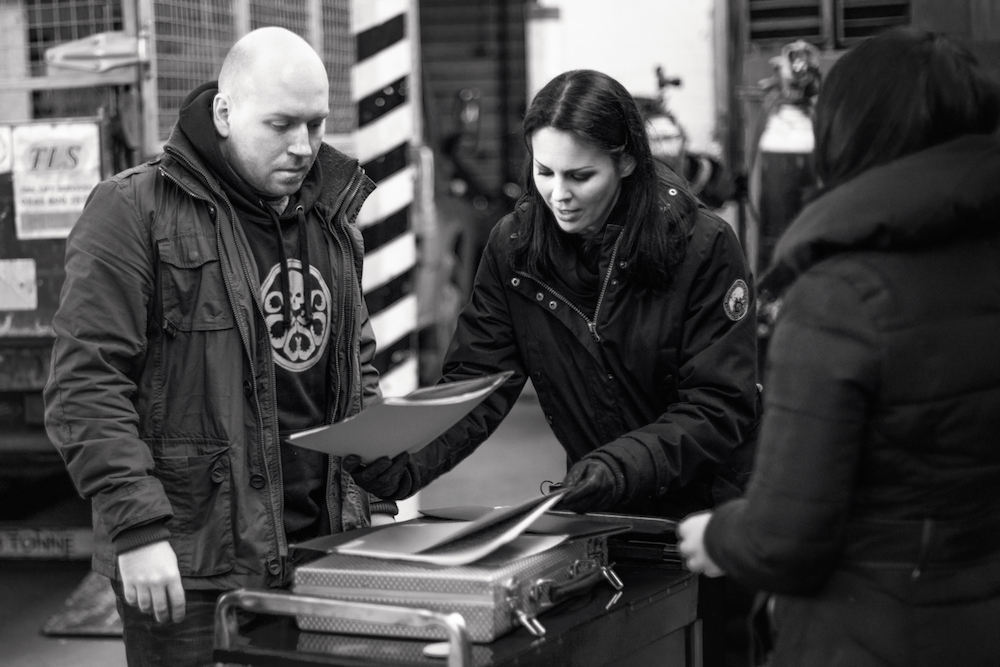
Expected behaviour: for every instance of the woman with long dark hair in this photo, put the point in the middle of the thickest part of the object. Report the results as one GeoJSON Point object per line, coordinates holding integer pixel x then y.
{"type": "Point", "coordinates": [627, 304]}
{"type": "Point", "coordinates": [873, 515]}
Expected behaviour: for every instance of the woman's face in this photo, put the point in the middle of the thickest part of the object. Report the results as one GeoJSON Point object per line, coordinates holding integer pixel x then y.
{"type": "Point", "coordinates": [577, 181]}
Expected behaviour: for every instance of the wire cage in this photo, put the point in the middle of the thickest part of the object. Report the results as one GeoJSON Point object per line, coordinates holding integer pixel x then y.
{"type": "Point", "coordinates": [188, 40]}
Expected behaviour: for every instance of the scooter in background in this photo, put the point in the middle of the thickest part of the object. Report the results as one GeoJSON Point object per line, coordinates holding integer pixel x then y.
{"type": "Point", "coordinates": [705, 173]}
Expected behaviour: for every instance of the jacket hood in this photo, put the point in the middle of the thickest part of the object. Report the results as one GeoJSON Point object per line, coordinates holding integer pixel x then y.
{"type": "Point", "coordinates": [194, 138]}
{"type": "Point", "coordinates": [942, 193]}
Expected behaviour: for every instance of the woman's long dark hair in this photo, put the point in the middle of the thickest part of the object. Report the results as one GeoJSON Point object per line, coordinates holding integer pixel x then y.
{"type": "Point", "coordinates": [600, 112]}
{"type": "Point", "coordinates": [897, 93]}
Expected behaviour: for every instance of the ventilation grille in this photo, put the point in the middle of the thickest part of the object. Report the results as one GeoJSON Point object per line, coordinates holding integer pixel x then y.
{"type": "Point", "coordinates": [785, 20]}
{"type": "Point", "coordinates": [858, 19]}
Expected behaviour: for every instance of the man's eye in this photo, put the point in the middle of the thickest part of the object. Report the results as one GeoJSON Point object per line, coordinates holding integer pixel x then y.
{"type": "Point", "coordinates": [280, 126]}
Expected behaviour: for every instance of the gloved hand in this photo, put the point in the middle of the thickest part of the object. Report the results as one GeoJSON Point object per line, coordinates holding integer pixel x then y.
{"type": "Point", "coordinates": [592, 487]}
{"type": "Point", "coordinates": [389, 479]}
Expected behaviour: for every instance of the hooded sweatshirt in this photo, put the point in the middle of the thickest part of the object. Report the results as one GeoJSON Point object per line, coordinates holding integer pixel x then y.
{"type": "Point", "coordinates": [295, 293]}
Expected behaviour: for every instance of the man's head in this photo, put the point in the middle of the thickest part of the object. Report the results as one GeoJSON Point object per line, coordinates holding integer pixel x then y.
{"type": "Point", "coordinates": [271, 109]}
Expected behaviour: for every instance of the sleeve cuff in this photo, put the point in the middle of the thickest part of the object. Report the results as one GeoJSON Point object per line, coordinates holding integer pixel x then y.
{"type": "Point", "coordinates": [140, 536]}
{"type": "Point", "coordinates": [384, 507]}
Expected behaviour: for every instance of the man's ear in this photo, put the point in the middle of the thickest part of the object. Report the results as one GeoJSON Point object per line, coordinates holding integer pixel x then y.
{"type": "Point", "coordinates": [627, 165]}
{"type": "Point", "coordinates": [221, 108]}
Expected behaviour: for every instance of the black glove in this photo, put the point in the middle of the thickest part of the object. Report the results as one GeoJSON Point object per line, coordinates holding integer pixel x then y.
{"type": "Point", "coordinates": [389, 479]}
{"type": "Point", "coordinates": [592, 485]}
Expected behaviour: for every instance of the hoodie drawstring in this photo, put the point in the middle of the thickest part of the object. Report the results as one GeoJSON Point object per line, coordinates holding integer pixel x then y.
{"type": "Point", "coordinates": [304, 258]}
{"type": "Point", "coordinates": [286, 297]}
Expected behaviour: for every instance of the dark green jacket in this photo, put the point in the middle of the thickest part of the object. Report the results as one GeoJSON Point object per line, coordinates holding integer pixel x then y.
{"type": "Point", "coordinates": [161, 395]}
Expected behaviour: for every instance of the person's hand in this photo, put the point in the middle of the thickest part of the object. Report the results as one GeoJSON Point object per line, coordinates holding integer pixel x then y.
{"type": "Point", "coordinates": [691, 532]}
{"type": "Point", "coordinates": [389, 479]}
{"type": "Point", "coordinates": [152, 582]}
{"type": "Point", "coordinates": [591, 487]}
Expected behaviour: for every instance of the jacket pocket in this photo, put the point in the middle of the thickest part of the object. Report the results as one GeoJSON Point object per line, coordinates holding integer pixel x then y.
{"type": "Point", "coordinates": [192, 290]}
{"type": "Point", "coordinates": [196, 477]}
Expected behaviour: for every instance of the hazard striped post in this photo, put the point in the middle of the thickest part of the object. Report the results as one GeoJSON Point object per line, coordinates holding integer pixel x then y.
{"type": "Point", "coordinates": [381, 89]}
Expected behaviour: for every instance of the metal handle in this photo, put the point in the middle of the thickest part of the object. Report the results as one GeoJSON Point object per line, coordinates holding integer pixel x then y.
{"type": "Point", "coordinates": [287, 604]}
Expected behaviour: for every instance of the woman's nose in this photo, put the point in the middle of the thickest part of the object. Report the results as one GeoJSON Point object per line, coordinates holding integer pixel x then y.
{"type": "Point", "coordinates": [559, 190]}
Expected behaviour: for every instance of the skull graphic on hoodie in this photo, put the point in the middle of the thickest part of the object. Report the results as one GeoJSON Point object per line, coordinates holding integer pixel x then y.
{"type": "Point", "coordinates": [299, 344]}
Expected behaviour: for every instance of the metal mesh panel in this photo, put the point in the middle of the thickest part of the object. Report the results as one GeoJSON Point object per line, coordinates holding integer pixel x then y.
{"type": "Point", "coordinates": [52, 22]}
{"type": "Point", "coordinates": [192, 37]}
{"type": "Point", "coordinates": [291, 14]}
{"type": "Point", "coordinates": [27, 29]}
{"type": "Point", "coordinates": [339, 54]}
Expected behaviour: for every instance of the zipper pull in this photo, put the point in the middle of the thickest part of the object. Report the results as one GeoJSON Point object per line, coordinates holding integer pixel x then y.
{"type": "Point", "coordinates": [593, 331]}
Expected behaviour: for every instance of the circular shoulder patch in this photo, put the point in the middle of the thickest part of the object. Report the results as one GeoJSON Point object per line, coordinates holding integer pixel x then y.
{"type": "Point", "coordinates": [737, 301]}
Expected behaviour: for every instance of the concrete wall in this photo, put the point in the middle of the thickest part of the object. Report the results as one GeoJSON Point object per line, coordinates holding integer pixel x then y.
{"type": "Point", "coordinates": [627, 39]}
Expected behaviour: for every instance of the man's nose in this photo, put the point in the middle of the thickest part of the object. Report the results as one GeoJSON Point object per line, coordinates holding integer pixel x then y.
{"type": "Point", "coordinates": [299, 142]}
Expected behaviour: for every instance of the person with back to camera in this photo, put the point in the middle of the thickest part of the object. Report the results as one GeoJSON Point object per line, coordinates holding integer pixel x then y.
{"type": "Point", "coordinates": [212, 305]}
{"type": "Point", "coordinates": [873, 515]}
{"type": "Point", "coordinates": [628, 305]}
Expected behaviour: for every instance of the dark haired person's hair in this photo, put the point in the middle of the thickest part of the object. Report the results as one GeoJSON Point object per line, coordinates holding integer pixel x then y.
{"type": "Point", "coordinates": [894, 94]}
{"type": "Point", "coordinates": [598, 110]}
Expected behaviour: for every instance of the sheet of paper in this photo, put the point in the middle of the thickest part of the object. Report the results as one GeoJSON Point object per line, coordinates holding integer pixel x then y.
{"type": "Point", "coordinates": [398, 424]}
{"type": "Point", "coordinates": [458, 543]}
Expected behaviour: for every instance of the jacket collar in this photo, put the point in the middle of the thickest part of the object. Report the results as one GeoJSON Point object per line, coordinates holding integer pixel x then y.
{"type": "Point", "coordinates": [942, 193]}
{"type": "Point", "coordinates": [339, 170]}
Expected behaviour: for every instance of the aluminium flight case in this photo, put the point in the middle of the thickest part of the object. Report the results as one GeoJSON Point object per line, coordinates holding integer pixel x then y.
{"type": "Point", "coordinates": [493, 594]}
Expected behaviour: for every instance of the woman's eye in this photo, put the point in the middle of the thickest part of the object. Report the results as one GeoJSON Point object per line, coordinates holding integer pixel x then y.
{"type": "Point", "coordinates": [580, 178]}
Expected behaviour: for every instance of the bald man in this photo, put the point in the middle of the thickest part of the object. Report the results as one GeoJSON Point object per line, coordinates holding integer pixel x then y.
{"type": "Point", "coordinates": [212, 306]}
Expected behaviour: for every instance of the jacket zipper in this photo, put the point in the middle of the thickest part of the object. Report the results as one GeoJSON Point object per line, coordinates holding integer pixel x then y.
{"type": "Point", "coordinates": [348, 195]}
{"type": "Point", "coordinates": [350, 192]}
{"type": "Point", "coordinates": [591, 324]}
{"type": "Point", "coordinates": [277, 497]}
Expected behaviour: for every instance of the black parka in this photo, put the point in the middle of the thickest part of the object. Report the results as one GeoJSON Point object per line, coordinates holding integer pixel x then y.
{"type": "Point", "coordinates": [663, 383]}
{"type": "Point", "coordinates": [874, 509]}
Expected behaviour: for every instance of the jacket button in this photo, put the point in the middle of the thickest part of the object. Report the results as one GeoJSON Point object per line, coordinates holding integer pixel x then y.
{"type": "Point", "coordinates": [515, 281]}
{"type": "Point", "coordinates": [257, 481]}
{"type": "Point", "coordinates": [539, 297]}
{"type": "Point", "coordinates": [548, 418]}
{"type": "Point", "coordinates": [537, 375]}
{"type": "Point", "coordinates": [622, 264]}
{"type": "Point", "coordinates": [218, 474]}
{"type": "Point", "coordinates": [611, 376]}
{"type": "Point", "coordinates": [614, 282]}
{"type": "Point", "coordinates": [273, 566]}
{"type": "Point", "coordinates": [247, 388]}
{"type": "Point", "coordinates": [552, 305]}
{"type": "Point", "coordinates": [662, 490]}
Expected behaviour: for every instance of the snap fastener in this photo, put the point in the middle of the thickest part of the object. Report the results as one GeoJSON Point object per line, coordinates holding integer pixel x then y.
{"type": "Point", "coordinates": [552, 305]}
{"type": "Point", "coordinates": [273, 566]}
{"type": "Point", "coordinates": [536, 375]}
{"type": "Point", "coordinates": [218, 474]}
{"type": "Point", "coordinates": [515, 281]}
{"type": "Point", "coordinates": [610, 376]}
{"type": "Point", "coordinates": [548, 418]}
{"type": "Point", "coordinates": [672, 192]}
{"type": "Point", "coordinates": [257, 481]}
{"type": "Point", "coordinates": [622, 264]}
{"type": "Point", "coordinates": [614, 282]}
{"type": "Point", "coordinates": [247, 388]}
{"type": "Point", "coordinates": [539, 296]}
